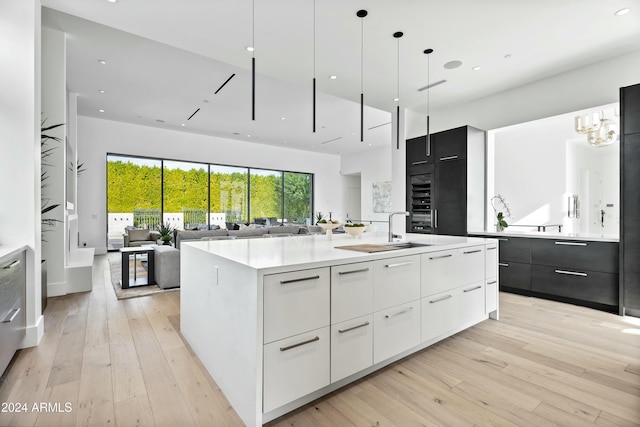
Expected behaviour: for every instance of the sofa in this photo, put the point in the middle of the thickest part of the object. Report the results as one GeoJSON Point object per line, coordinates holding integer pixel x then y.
{"type": "Point", "coordinates": [138, 237]}
{"type": "Point", "coordinates": [180, 236]}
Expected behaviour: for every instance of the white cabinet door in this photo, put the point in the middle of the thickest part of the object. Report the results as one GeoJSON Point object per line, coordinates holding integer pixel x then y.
{"type": "Point", "coordinates": [440, 272]}
{"type": "Point", "coordinates": [471, 264]}
{"type": "Point", "coordinates": [472, 303]}
{"type": "Point", "coordinates": [491, 261]}
{"type": "Point", "coordinates": [351, 291]}
{"type": "Point", "coordinates": [439, 314]}
{"type": "Point", "coordinates": [396, 281]}
{"type": "Point", "coordinates": [295, 302]}
{"type": "Point", "coordinates": [295, 367]}
{"type": "Point", "coordinates": [351, 347]}
{"type": "Point", "coordinates": [395, 330]}
{"type": "Point", "coordinates": [491, 295]}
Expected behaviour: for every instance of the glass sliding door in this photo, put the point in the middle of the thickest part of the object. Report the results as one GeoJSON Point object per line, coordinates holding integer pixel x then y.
{"type": "Point", "coordinates": [186, 195]}
{"type": "Point", "coordinates": [297, 197]}
{"type": "Point", "coordinates": [134, 195]}
{"type": "Point", "coordinates": [265, 189]}
{"type": "Point", "coordinates": [228, 191]}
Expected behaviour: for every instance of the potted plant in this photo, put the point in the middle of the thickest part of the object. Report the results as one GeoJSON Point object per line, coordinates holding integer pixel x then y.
{"type": "Point", "coordinates": [166, 232]}
{"type": "Point", "coordinates": [501, 224]}
{"type": "Point", "coordinates": [354, 229]}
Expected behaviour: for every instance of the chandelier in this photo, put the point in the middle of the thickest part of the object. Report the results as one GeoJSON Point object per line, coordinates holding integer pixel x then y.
{"type": "Point", "coordinates": [599, 130]}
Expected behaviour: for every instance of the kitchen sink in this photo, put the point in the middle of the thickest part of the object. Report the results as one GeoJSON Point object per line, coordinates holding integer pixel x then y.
{"type": "Point", "coordinates": [408, 245]}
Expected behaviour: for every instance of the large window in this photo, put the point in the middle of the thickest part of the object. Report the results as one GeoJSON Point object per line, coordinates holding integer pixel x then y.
{"type": "Point", "coordinates": [144, 193]}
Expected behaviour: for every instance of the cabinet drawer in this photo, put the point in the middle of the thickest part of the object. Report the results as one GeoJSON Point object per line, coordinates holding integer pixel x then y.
{"type": "Point", "coordinates": [351, 291]}
{"type": "Point", "coordinates": [441, 270]}
{"type": "Point", "coordinates": [582, 285]}
{"type": "Point", "coordinates": [439, 314]}
{"type": "Point", "coordinates": [491, 295]}
{"type": "Point", "coordinates": [396, 281]}
{"type": "Point", "coordinates": [295, 367]}
{"type": "Point", "coordinates": [515, 249]}
{"type": "Point", "coordinates": [593, 256]}
{"type": "Point", "coordinates": [515, 275]}
{"type": "Point", "coordinates": [472, 303]}
{"type": "Point", "coordinates": [395, 330]}
{"type": "Point", "coordinates": [12, 282]}
{"type": "Point", "coordinates": [472, 265]}
{"type": "Point", "coordinates": [491, 261]}
{"type": "Point", "coordinates": [351, 347]}
{"type": "Point", "coordinates": [295, 302]}
{"type": "Point", "coordinates": [12, 331]}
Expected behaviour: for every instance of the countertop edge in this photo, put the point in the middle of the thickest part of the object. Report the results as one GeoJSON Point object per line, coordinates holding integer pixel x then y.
{"type": "Point", "coordinates": [541, 235]}
{"type": "Point", "coordinates": [9, 251]}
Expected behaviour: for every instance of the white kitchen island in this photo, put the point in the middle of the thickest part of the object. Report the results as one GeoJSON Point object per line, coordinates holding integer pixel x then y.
{"type": "Point", "coordinates": [281, 322]}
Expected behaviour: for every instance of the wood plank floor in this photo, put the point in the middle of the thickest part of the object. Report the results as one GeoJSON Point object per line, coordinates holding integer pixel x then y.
{"type": "Point", "coordinates": [124, 363]}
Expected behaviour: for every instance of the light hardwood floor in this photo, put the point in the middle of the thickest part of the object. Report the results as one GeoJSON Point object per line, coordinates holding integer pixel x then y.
{"type": "Point", "coordinates": [124, 363]}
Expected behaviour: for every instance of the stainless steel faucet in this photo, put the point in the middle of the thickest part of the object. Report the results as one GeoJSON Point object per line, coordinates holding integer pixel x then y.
{"type": "Point", "coordinates": [391, 235]}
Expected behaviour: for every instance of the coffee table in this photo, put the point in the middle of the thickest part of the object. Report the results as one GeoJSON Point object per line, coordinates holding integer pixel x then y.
{"type": "Point", "coordinates": [135, 281]}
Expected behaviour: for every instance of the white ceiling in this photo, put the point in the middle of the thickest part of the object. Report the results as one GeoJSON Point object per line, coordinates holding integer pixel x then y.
{"type": "Point", "coordinates": [166, 58]}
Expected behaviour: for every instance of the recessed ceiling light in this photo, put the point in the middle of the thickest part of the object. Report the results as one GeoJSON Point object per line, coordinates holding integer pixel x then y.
{"type": "Point", "coordinates": [249, 48]}
{"type": "Point", "coordinates": [182, 124]}
{"type": "Point", "coordinates": [112, 1]}
{"type": "Point", "coordinates": [101, 91]}
{"type": "Point", "coordinates": [452, 64]}
{"type": "Point", "coordinates": [396, 99]}
{"type": "Point", "coordinates": [333, 77]}
{"type": "Point", "coordinates": [476, 68]}
{"type": "Point", "coordinates": [285, 142]}
{"type": "Point", "coordinates": [282, 118]}
{"type": "Point", "coordinates": [102, 61]}
{"type": "Point", "coordinates": [248, 136]}
{"type": "Point", "coordinates": [622, 11]}
{"type": "Point", "coordinates": [102, 111]}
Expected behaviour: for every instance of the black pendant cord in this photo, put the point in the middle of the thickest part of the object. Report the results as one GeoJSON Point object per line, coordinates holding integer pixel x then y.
{"type": "Point", "coordinates": [428, 52]}
{"type": "Point", "coordinates": [361, 14]}
{"type": "Point", "coordinates": [253, 60]}
{"type": "Point", "coordinates": [397, 35]}
{"type": "Point", "coordinates": [314, 66]}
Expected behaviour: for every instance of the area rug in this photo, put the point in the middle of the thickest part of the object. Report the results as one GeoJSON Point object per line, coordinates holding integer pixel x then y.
{"type": "Point", "coordinates": [115, 269]}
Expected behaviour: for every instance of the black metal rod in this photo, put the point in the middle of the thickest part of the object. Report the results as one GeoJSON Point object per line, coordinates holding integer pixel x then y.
{"type": "Point", "coordinates": [397, 127]}
{"type": "Point", "coordinates": [194, 113]}
{"type": "Point", "coordinates": [223, 84]}
{"type": "Point", "coordinates": [428, 138]}
{"type": "Point", "coordinates": [253, 88]}
{"type": "Point", "coordinates": [362, 117]}
{"type": "Point", "coordinates": [314, 104]}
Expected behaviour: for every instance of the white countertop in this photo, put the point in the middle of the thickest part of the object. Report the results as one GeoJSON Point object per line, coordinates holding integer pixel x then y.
{"type": "Point", "coordinates": [8, 251]}
{"type": "Point", "coordinates": [263, 253]}
{"type": "Point", "coordinates": [550, 235]}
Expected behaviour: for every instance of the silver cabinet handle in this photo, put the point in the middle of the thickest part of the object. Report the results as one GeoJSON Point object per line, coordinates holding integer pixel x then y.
{"type": "Point", "coordinates": [289, 347]}
{"type": "Point", "coordinates": [420, 162]}
{"type": "Point", "coordinates": [436, 215]}
{"type": "Point", "coordinates": [399, 264]}
{"type": "Point", "coordinates": [342, 331]}
{"type": "Point", "coordinates": [10, 318]}
{"type": "Point", "coordinates": [389, 316]}
{"type": "Point", "coordinates": [491, 248]}
{"type": "Point", "coordinates": [433, 301]}
{"type": "Point", "coordinates": [448, 158]}
{"type": "Point", "coordinates": [571, 273]}
{"type": "Point", "coordinates": [362, 270]}
{"type": "Point", "coordinates": [472, 252]}
{"type": "Point", "coordinates": [571, 243]}
{"type": "Point", "coordinates": [302, 279]}
{"type": "Point", "coordinates": [472, 289]}
{"type": "Point", "coordinates": [13, 264]}
{"type": "Point", "coordinates": [493, 282]}
{"type": "Point", "coordinates": [441, 256]}
{"type": "Point", "coordinates": [432, 218]}
{"type": "Point", "coordinates": [503, 264]}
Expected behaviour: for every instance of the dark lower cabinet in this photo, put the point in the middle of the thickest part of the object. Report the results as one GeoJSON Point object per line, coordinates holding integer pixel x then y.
{"type": "Point", "coordinates": [589, 286]}
{"type": "Point", "coordinates": [514, 275]}
{"type": "Point", "coordinates": [593, 256]}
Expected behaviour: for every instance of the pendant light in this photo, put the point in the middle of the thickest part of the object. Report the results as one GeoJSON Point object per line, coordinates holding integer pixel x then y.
{"type": "Point", "coordinates": [361, 14]}
{"type": "Point", "coordinates": [253, 60]}
{"type": "Point", "coordinates": [314, 66]}
{"type": "Point", "coordinates": [397, 35]}
{"type": "Point", "coordinates": [428, 52]}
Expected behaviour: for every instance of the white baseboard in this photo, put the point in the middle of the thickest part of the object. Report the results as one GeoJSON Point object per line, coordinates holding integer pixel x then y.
{"type": "Point", "coordinates": [33, 334]}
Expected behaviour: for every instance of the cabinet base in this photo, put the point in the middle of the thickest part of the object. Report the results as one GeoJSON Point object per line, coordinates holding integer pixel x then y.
{"type": "Point", "coordinates": [596, 306]}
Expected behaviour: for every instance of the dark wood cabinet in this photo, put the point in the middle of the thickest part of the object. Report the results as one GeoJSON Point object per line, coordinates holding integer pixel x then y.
{"type": "Point", "coordinates": [630, 200]}
{"type": "Point", "coordinates": [592, 256]}
{"type": "Point", "coordinates": [590, 286]}
{"type": "Point", "coordinates": [515, 249]}
{"type": "Point", "coordinates": [514, 275]}
{"type": "Point", "coordinates": [444, 163]}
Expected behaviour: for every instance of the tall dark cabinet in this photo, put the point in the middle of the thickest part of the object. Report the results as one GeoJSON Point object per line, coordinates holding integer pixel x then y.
{"type": "Point", "coordinates": [630, 199]}
{"type": "Point", "coordinates": [445, 182]}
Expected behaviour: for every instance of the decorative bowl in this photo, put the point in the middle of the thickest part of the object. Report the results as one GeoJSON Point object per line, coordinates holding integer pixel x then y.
{"type": "Point", "coordinates": [329, 225]}
{"type": "Point", "coordinates": [354, 231]}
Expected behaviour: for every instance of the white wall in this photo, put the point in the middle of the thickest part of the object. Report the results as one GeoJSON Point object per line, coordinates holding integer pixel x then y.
{"type": "Point", "coordinates": [596, 84]}
{"type": "Point", "coordinates": [20, 145]}
{"type": "Point", "coordinates": [97, 137]}
{"type": "Point", "coordinates": [372, 166]}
